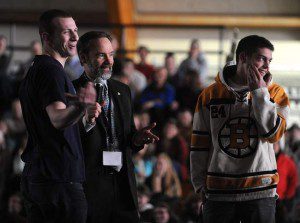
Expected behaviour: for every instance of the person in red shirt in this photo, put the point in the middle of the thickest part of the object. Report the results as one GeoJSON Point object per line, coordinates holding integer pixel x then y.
{"type": "Point", "coordinates": [286, 188]}
{"type": "Point", "coordinates": [144, 67]}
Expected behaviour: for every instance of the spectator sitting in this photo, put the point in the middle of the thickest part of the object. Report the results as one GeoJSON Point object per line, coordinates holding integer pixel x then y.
{"type": "Point", "coordinates": [118, 55]}
{"type": "Point", "coordinates": [35, 49]}
{"type": "Point", "coordinates": [137, 81]}
{"type": "Point", "coordinates": [170, 65]}
{"type": "Point", "coordinates": [145, 207]}
{"type": "Point", "coordinates": [144, 67]}
{"type": "Point", "coordinates": [195, 61]}
{"type": "Point", "coordinates": [188, 93]}
{"type": "Point", "coordinates": [293, 141]}
{"type": "Point", "coordinates": [164, 181]}
{"type": "Point", "coordinates": [173, 144]}
{"type": "Point", "coordinates": [17, 168]}
{"type": "Point", "coordinates": [6, 84]}
{"type": "Point", "coordinates": [162, 214]}
{"type": "Point", "coordinates": [293, 137]}
{"type": "Point", "coordinates": [145, 119]}
{"type": "Point", "coordinates": [14, 213]}
{"type": "Point", "coordinates": [4, 57]}
{"type": "Point", "coordinates": [144, 160]}
{"type": "Point", "coordinates": [286, 188]}
{"type": "Point", "coordinates": [122, 78]}
{"type": "Point", "coordinates": [159, 97]}
{"type": "Point", "coordinates": [5, 164]}
{"type": "Point", "coordinates": [139, 167]}
{"type": "Point", "coordinates": [185, 118]}
{"type": "Point", "coordinates": [192, 209]}
{"type": "Point", "coordinates": [16, 125]}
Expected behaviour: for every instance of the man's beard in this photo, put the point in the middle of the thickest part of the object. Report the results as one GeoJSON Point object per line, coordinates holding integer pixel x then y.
{"type": "Point", "coordinates": [105, 75]}
{"type": "Point", "coordinates": [99, 72]}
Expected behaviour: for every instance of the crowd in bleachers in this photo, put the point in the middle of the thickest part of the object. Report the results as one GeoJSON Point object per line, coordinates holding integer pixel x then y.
{"type": "Point", "coordinates": [165, 95]}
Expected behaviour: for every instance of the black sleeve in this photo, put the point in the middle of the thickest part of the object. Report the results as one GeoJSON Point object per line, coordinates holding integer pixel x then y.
{"type": "Point", "coordinates": [52, 85]}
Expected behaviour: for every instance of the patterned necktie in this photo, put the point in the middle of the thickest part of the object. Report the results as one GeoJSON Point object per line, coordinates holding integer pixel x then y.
{"type": "Point", "coordinates": [105, 100]}
{"type": "Point", "coordinates": [108, 108]}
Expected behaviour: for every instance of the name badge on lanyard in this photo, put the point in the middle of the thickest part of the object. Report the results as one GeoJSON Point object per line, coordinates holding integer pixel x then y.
{"type": "Point", "coordinates": [112, 158]}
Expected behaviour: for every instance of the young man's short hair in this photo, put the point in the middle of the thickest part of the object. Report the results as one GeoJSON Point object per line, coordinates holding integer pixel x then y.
{"type": "Point", "coordinates": [144, 190]}
{"type": "Point", "coordinates": [169, 54]}
{"type": "Point", "coordinates": [85, 40]}
{"type": "Point", "coordinates": [140, 48]}
{"type": "Point", "coordinates": [127, 60]}
{"type": "Point", "coordinates": [3, 37]}
{"type": "Point", "coordinates": [250, 44]}
{"type": "Point", "coordinates": [46, 20]}
{"type": "Point", "coordinates": [195, 42]}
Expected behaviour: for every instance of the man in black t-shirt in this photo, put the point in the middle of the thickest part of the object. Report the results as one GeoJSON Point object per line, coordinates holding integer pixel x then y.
{"type": "Point", "coordinates": [54, 165]}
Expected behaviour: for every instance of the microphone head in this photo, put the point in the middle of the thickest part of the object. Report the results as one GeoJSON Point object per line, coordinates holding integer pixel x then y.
{"type": "Point", "coordinates": [99, 81]}
{"type": "Point", "coordinates": [99, 85]}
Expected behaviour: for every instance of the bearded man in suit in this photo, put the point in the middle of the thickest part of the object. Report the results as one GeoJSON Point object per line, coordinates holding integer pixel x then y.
{"type": "Point", "coordinates": [109, 136]}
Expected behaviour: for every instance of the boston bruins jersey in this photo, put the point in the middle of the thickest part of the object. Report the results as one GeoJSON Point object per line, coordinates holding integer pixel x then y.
{"type": "Point", "coordinates": [232, 157]}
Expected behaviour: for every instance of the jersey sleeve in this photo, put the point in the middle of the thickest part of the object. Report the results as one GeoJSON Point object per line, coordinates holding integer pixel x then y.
{"type": "Point", "coordinates": [200, 145]}
{"type": "Point", "coordinates": [271, 110]}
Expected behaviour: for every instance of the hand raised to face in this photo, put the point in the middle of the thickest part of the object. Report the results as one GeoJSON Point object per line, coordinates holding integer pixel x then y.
{"type": "Point", "coordinates": [255, 79]}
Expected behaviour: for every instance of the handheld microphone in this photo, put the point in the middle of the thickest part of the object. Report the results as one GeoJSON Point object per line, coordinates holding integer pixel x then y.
{"type": "Point", "coordinates": [99, 86]}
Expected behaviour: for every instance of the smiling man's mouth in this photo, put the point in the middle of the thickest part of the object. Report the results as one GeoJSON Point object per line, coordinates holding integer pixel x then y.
{"type": "Point", "coordinates": [263, 72]}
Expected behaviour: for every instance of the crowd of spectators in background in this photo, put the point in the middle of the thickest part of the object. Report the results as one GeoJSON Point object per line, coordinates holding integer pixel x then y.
{"type": "Point", "coordinates": [165, 95]}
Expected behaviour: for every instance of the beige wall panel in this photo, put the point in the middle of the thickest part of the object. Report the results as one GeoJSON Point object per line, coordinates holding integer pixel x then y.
{"type": "Point", "coordinates": [236, 7]}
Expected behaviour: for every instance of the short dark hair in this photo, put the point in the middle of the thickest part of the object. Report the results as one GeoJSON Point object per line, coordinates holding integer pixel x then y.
{"type": "Point", "coordinates": [169, 54]}
{"type": "Point", "coordinates": [142, 47]}
{"type": "Point", "coordinates": [195, 41]}
{"type": "Point", "coordinates": [46, 20]}
{"type": "Point", "coordinates": [85, 40]}
{"type": "Point", "coordinates": [171, 121]}
{"type": "Point", "coordinates": [250, 44]}
{"type": "Point", "coordinates": [144, 190]}
{"type": "Point", "coordinates": [127, 60]}
{"type": "Point", "coordinates": [3, 37]}
{"type": "Point", "coordinates": [163, 205]}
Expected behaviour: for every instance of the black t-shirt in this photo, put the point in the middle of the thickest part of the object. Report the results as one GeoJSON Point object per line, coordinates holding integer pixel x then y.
{"type": "Point", "coordinates": [50, 154]}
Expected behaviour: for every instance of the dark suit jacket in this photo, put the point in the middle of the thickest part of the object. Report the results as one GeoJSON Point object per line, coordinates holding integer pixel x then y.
{"type": "Point", "coordinates": [93, 141]}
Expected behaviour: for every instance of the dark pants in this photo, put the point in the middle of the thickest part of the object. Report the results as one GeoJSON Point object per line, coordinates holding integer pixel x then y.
{"type": "Point", "coordinates": [255, 211]}
{"type": "Point", "coordinates": [109, 199]}
{"type": "Point", "coordinates": [54, 202]}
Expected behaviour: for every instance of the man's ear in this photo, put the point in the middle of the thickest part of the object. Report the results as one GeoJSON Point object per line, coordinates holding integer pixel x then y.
{"type": "Point", "coordinates": [45, 37]}
{"type": "Point", "coordinates": [242, 57]}
{"type": "Point", "coordinates": [82, 58]}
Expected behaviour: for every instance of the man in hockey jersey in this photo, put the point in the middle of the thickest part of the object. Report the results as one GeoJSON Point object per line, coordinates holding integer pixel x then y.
{"type": "Point", "coordinates": [236, 121]}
